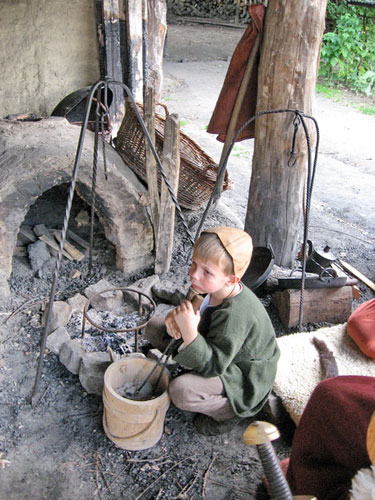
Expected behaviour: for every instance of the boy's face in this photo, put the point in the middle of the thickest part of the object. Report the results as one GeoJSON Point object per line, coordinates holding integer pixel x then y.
{"type": "Point", "coordinates": [207, 277]}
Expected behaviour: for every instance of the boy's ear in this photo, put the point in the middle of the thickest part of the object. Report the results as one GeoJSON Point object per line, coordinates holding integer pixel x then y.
{"type": "Point", "coordinates": [233, 279]}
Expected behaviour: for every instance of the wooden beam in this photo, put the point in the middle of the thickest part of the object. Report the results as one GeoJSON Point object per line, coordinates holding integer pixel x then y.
{"type": "Point", "coordinates": [52, 244]}
{"type": "Point", "coordinates": [113, 66]}
{"type": "Point", "coordinates": [133, 15]}
{"type": "Point", "coordinates": [151, 166]}
{"type": "Point", "coordinates": [43, 234]}
{"type": "Point", "coordinates": [352, 270]}
{"type": "Point", "coordinates": [71, 249]}
{"type": "Point", "coordinates": [171, 164]}
{"type": "Point", "coordinates": [78, 239]}
{"type": "Point", "coordinates": [26, 236]}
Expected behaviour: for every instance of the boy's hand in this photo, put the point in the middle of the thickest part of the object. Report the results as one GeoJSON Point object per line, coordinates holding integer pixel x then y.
{"type": "Point", "coordinates": [187, 321]}
{"type": "Point", "coordinates": [171, 326]}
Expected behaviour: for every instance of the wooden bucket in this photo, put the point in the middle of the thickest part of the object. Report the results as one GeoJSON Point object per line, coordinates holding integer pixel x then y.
{"type": "Point", "coordinates": [134, 425]}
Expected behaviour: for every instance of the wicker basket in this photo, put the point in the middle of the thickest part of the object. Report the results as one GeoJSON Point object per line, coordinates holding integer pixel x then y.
{"type": "Point", "coordinates": [198, 171]}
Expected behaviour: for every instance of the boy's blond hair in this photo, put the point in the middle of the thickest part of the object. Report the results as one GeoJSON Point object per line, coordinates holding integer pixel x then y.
{"type": "Point", "coordinates": [209, 249]}
{"type": "Point", "coordinates": [229, 247]}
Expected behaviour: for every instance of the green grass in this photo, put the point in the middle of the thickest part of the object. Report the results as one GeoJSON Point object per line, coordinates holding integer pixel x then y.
{"type": "Point", "coordinates": [338, 95]}
{"type": "Point", "coordinates": [367, 110]}
{"type": "Point", "coordinates": [183, 123]}
{"type": "Point", "coordinates": [330, 92]}
{"type": "Point", "coordinates": [241, 152]}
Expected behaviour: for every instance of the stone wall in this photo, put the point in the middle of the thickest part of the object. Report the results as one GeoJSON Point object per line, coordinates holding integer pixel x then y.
{"type": "Point", "coordinates": [48, 48]}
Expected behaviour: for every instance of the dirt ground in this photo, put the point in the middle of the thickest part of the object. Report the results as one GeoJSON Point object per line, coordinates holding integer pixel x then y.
{"type": "Point", "coordinates": [57, 449]}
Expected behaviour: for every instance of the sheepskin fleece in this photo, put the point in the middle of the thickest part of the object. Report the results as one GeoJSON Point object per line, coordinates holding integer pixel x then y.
{"type": "Point", "coordinates": [298, 370]}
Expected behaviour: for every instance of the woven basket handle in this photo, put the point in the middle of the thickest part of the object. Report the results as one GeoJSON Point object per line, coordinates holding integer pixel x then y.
{"type": "Point", "coordinates": [164, 106]}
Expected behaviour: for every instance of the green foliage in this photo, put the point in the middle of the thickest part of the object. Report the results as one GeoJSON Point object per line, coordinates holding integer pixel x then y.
{"type": "Point", "coordinates": [367, 110]}
{"type": "Point", "coordinates": [348, 51]}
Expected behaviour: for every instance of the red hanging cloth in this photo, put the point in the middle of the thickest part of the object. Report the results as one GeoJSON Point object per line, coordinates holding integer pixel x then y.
{"type": "Point", "coordinates": [224, 106]}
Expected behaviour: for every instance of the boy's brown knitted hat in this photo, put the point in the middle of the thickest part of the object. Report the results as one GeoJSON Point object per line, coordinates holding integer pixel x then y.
{"type": "Point", "coordinates": [238, 244]}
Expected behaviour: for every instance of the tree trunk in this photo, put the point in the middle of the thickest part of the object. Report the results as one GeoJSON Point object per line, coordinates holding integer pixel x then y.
{"type": "Point", "coordinates": [287, 76]}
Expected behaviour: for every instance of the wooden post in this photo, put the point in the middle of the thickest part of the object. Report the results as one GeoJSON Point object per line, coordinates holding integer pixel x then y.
{"type": "Point", "coordinates": [157, 30]}
{"type": "Point", "coordinates": [288, 71]}
{"type": "Point", "coordinates": [113, 60]}
{"type": "Point", "coordinates": [133, 14]}
{"type": "Point", "coordinates": [171, 164]}
{"type": "Point", "coordinates": [151, 167]}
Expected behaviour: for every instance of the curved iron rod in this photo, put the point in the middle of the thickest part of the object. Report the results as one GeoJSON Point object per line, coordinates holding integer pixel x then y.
{"type": "Point", "coordinates": [100, 84]}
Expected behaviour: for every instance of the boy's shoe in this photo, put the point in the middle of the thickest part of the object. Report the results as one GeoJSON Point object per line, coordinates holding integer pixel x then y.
{"type": "Point", "coordinates": [209, 427]}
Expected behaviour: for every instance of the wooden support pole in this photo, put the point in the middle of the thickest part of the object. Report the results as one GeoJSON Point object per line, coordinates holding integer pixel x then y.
{"type": "Point", "coordinates": [113, 60]}
{"type": "Point", "coordinates": [133, 14]}
{"type": "Point", "coordinates": [288, 70]}
{"type": "Point", "coordinates": [171, 164]}
{"type": "Point", "coordinates": [151, 167]}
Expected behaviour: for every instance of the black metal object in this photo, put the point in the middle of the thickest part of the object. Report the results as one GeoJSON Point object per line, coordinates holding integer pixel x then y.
{"type": "Point", "coordinates": [259, 268]}
{"type": "Point", "coordinates": [318, 282]}
{"type": "Point", "coordinates": [73, 106]}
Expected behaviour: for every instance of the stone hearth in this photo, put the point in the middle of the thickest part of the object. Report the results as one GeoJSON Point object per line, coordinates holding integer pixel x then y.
{"type": "Point", "coordinates": [36, 156]}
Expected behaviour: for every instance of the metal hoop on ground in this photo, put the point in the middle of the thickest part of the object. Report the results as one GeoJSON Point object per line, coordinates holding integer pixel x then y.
{"type": "Point", "coordinates": [119, 330]}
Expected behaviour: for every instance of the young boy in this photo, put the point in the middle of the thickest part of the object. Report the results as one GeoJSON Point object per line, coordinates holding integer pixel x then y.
{"type": "Point", "coordinates": [228, 343]}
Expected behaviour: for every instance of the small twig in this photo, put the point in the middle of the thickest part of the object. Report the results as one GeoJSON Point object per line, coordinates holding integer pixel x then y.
{"type": "Point", "coordinates": [146, 459]}
{"type": "Point", "coordinates": [115, 479]}
{"type": "Point", "coordinates": [205, 477]}
{"type": "Point", "coordinates": [28, 303]}
{"type": "Point", "coordinates": [80, 415]}
{"type": "Point", "coordinates": [97, 476]}
{"type": "Point", "coordinates": [42, 397]}
{"type": "Point", "coordinates": [164, 473]}
{"type": "Point", "coordinates": [159, 494]}
{"type": "Point", "coordinates": [104, 477]}
{"type": "Point", "coordinates": [188, 486]}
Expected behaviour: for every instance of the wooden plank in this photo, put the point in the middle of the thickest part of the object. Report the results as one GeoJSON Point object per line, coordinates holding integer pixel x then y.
{"type": "Point", "coordinates": [26, 236]}
{"type": "Point", "coordinates": [41, 230]}
{"type": "Point", "coordinates": [73, 236]}
{"type": "Point", "coordinates": [133, 15]}
{"type": "Point", "coordinates": [171, 164]}
{"type": "Point", "coordinates": [156, 31]}
{"type": "Point", "coordinates": [331, 305]}
{"type": "Point", "coordinates": [52, 243]}
{"type": "Point", "coordinates": [113, 58]}
{"type": "Point", "coordinates": [352, 270]}
{"type": "Point", "coordinates": [71, 249]}
{"type": "Point", "coordinates": [151, 166]}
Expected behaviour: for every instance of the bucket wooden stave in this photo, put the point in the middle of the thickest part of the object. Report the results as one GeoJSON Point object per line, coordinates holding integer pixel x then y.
{"type": "Point", "coordinates": [134, 425]}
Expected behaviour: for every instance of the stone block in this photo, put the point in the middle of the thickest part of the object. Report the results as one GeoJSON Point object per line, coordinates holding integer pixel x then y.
{"type": "Point", "coordinates": [60, 316]}
{"type": "Point", "coordinates": [169, 292]}
{"type": "Point", "coordinates": [143, 285]}
{"type": "Point", "coordinates": [77, 302]}
{"type": "Point", "coordinates": [107, 301]}
{"type": "Point", "coordinates": [91, 371]}
{"type": "Point", "coordinates": [56, 339]}
{"type": "Point", "coordinates": [71, 355]}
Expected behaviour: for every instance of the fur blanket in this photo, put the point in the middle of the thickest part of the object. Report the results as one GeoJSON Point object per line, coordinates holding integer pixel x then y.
{"type": "Point", "coordinates": [299, 369]}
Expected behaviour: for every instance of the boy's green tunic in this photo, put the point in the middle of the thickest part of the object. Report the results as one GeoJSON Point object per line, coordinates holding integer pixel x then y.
{"type": "Point", "coordinates": [236, 342]}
